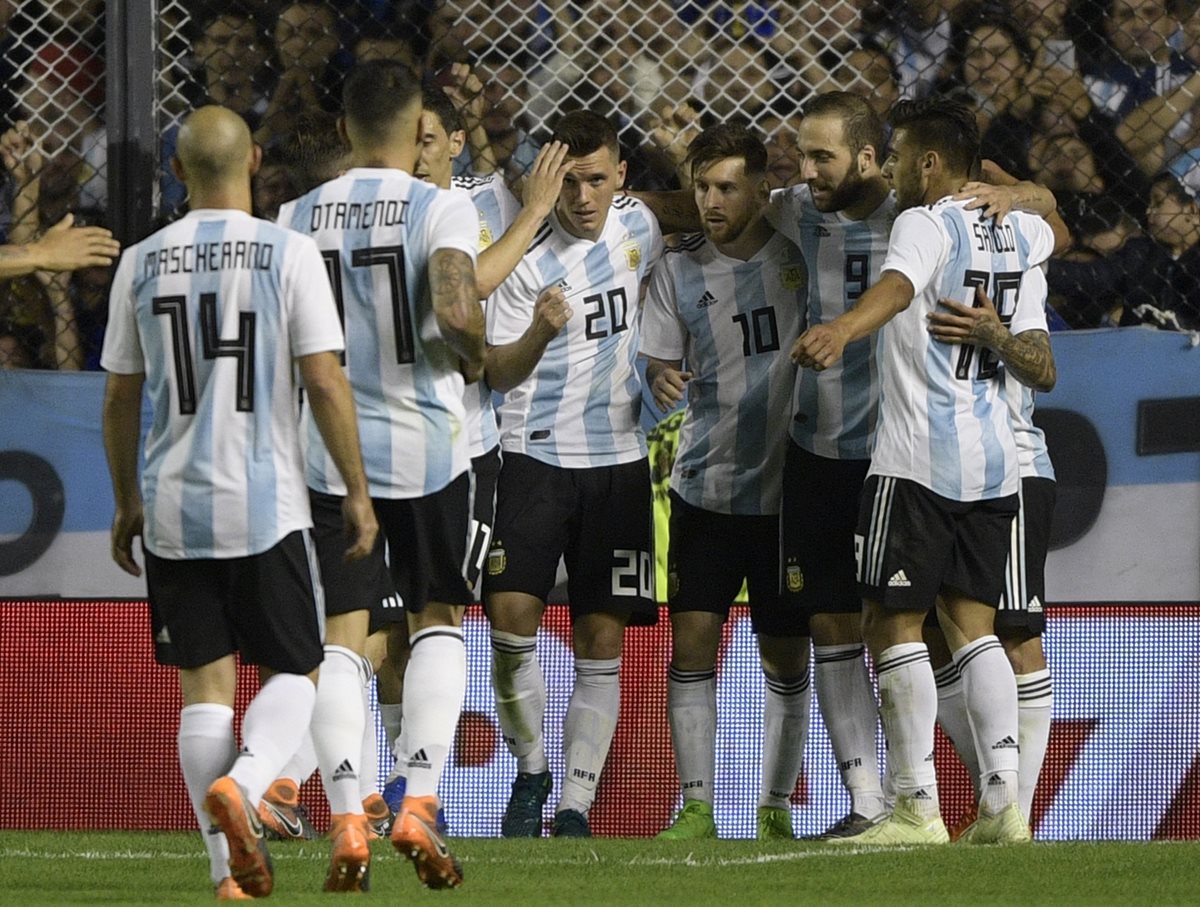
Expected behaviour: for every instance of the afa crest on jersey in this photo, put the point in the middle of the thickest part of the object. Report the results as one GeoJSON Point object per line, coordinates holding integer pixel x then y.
{"type": "Point", "coordinates": [497, 561]}
{"type": "Point", "coordinates": [485, 233]}
{"type": "Point", "coordinates": [791, 277]}
{"type": "Point", "coordinates": [633, 254]}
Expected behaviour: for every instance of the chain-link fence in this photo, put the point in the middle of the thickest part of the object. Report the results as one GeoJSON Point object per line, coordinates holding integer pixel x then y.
{"type": "Point", "coordinates": [1094, 99]}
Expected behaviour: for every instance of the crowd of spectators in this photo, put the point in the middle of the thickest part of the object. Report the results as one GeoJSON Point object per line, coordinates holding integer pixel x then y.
{"type": "Point", "coordinates": [1096, 99]}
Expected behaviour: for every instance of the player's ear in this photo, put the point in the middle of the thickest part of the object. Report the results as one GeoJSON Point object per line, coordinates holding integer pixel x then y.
{"type": "Point", "coordinates": [458, 139]}
{"type": "Point", "coordinates": [622, 166]}
{"type": "Point", "coordinates": [866, 158]}
{"type": "Point", "coordinates": [341, 128]}
{"type": "Point", "coordinates": [256, 154]}
{"type": "Point", "coordinates": [177, 169]}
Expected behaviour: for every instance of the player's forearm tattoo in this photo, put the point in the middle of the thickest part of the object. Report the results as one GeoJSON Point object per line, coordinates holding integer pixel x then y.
{"type": "Point", "coordinates": [456, 301]}
{"type": "Point", "coordinates": [1029, 357]}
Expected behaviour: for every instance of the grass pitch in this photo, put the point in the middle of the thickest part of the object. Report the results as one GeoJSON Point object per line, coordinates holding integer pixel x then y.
{"type": "Point", "coordinates": [148, 868]}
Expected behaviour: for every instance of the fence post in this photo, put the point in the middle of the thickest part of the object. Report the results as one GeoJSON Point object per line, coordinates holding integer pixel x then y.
{"type": "Point", "coordinates": [132, 129]}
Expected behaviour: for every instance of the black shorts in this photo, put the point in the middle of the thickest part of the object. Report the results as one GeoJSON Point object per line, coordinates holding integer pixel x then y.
{"type": "Point", "coordinates": [711, 553]}
{"type": "Point", "coordinates": [911, 543]}
{"type": "Point", "coordinates": [263, 606]}
{"type": "Point", "coordinates": [427, 544]}
{"type": "Point", "coordinates": [1025, 592]}
{"type": "Point", "coordinates": [821, 499]}
{"type": "Point", "coordinates": [362, 585]}
{"type": "Point", "coordinates": [485, 469]}
{"type": "Point", "coordinates": [598, 520]}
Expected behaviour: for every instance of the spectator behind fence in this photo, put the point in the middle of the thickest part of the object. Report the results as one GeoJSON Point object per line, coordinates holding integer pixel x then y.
{"type": "Point", "coordinates": [306, 42]}
{"type": "Point", "coordinates": [1144, 86]}
{"type": "Point", "coordinates": [993, 57]}
{"type": "Point", "coordinates": [865, 69]}
{"type": "Point", "coordinates": [1156, 276]}
{"type": "Point", "coordinates": [917, 34]}
{"type": "Point", "coordinates": [1099, 226]}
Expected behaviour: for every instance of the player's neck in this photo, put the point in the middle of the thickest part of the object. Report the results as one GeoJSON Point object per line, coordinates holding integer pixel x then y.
{"type": "Point", "coordinates": [875, 190]}
{"type": "Point", "coordinates": [749, 241]}
{"type": "Point", "coordinates": [942, 186]}
{"type": "Point", "coordinates": [221, 198]}
{"type": "Point", "coordinates": [384, 158]}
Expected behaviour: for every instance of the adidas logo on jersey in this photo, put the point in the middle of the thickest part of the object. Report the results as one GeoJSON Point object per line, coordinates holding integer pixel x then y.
{"type": "Point", "coordinates": [899, 579]}
{"type": "Point", "coordinates": [565, 287]}
{"type": "Point", "coordinates": [419, 760]}
{"type": "Point", "coordinates": [1035, 605]}
{"type": "Point", "coordinates": [818, 230]}
{"type": "Point", "coordinates": [1006, 744]}
{"type": "Point", "coordinates": [344, 771]}
{"type": "Point", "coordinates": [706, 300]}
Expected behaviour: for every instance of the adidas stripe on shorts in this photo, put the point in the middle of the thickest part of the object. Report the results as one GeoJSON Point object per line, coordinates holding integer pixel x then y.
{"type": "Point", "coordinates": [911, 542]}
{"type": "Point", "coordinates": [1021, 607]}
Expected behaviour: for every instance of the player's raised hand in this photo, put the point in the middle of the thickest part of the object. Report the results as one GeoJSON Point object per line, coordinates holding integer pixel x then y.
{"type": "Point", "coordinates": [669, 386]}
{"type": "Point", "coordinates": [543, 182]}
{"type": "Point", "coordinates": [819, 347]}
{"type": "Point", "coordinates": [126, 526]}
{"type": "Point", "coordinates": [358, 516]}
{"type": "Point", "coordinates": [550, 313]}
{"type": "Point", "coordinates": [964, 324]}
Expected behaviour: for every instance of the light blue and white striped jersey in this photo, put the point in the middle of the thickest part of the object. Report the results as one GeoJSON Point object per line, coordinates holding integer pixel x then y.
{"type": "Point", "coordinates": [497, 208]}
{"type": "Point", "coordinates": [943, 415]}
{"type": "Point", "coordinates": [580, 407]}
{"type": "Point", "coordinates": [213, 309]}
{"type": "Point", "coordinates": [1033, 457]}
{"type": "Point", "coordinates": [835, 410]}
{"type": "Point", "coordinates": [734, 322]}
{"type": "Point", "coordinates": [377, 229]}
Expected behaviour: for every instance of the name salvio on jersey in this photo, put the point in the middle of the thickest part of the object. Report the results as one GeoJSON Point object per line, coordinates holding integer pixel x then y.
{"type": "Point", "coordinates": [605, 314]}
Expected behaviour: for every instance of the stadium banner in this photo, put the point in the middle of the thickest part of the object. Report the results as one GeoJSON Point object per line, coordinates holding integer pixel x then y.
{"type": "Point", "coordinates": [1123, 426]}
{"type": "Point", "coordinates": [84, 708]}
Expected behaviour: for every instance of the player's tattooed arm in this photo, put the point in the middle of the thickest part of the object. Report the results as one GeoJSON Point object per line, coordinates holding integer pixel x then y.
{"type": "Point", "coordinates": [1027, 355]}
{"type": "Point", "coordinates": [456, 307]}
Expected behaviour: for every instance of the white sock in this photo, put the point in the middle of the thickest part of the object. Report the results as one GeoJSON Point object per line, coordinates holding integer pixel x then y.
{"type": "Point", "coordinates": [206, 751]}
{"type": "Point", "coordinates": [956, 724]}
{"type": "Point", "coordinates": [1035, 699]}
{"type": "Point", "coordinates": [990, 692]}
{"type": "Point", "coordinates": [908, 707]}
{"type": "Point", "coordinates": [337, 727]}
{"type": "Point", "coordinates": [392, 715]}
{"type": "Point", "coordinates": [692, 712]}
{"type": "Point", "coordinates": [368, 778]}
{"type": "Point", "coordinates": [520, 698]}
{"type": "Point", "coordinates": [303, 763]}
{"type": "Point", "coordinates": [588, 729]}
{"type": "Point", "coordinates": [435, 683]}
{"type": "Point", "coordinates": [785, 731]}
{"type": "Point", "coordinates": [851, 716]}
{"type": "Point", "coordinates": [274, 723]}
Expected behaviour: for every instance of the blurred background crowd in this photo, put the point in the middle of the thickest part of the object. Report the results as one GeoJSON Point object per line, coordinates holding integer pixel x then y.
{"type": "Point", "coordinates": [1097, 99]}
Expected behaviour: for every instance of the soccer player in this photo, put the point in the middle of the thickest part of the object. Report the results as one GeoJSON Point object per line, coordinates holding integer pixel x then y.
{"type": "Point", "coordinates": [719, 310]}
{"type": "Point", "coordinates": [1020, 620]}
{"type": "Point", "coordinates": [942, 488]}
{"type": "Point", "coordinates": [506, 228]}
{"type": "Point", "coordinates": [402, 257]}
{"type": "Point", "coordinates": [839, 217]}
{"type": "Point", "coordinates": [211, 315]}
{"type": "Point", "coordinates": [575, 481]}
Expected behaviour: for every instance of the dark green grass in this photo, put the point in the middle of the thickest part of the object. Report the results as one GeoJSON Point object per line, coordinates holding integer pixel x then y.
{"type": "Point", "coordinates": [144, 868]}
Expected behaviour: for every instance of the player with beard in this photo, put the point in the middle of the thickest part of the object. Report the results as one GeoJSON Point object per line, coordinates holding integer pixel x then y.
{"type": "Point", "coordinates": [942, 488]}
{"type": "Point", "coordinates": [726, 303]}
{"type": "Point", "coordinates": [839, 217]}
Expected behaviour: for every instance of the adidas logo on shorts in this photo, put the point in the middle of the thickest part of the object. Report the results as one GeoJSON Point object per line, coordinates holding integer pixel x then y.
{"type": "Point", "coordinates": [898, 579]}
